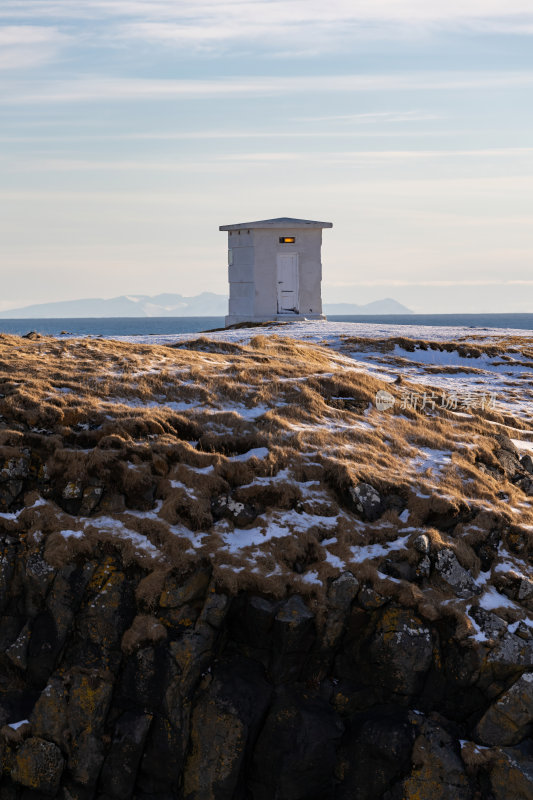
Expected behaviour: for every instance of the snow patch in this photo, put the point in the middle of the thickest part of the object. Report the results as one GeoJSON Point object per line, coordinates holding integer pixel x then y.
{"type": "Point", "coordinates": [492, 599]}
{"type": "Point", "coordinates": [16, 725]}
{"type": "Point", "coordinates": [368, 551]}
{"type": "Point", "coordinates": [256, 452]}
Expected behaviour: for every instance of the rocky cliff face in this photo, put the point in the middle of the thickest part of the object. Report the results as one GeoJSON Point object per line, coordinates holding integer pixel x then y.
{"type": "Point", "coordinates": [230, 605]}
{"type": "Point", "coordinates": [202, 695]}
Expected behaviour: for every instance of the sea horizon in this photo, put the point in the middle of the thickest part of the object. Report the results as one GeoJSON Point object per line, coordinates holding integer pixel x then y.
{"type": "Point", "coordinates": [144, 326]}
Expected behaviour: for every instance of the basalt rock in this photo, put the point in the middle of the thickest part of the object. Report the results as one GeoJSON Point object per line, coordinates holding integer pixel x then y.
{"type": "Point", "coordinates": [367, 501]}
{"type": "Point", "coordinates": [527, 463]}
{"type": "Point", "coordinates": [509, 719]}
{"type": "Point", "coordinates": [454, 575]}
{"type": "Point", "coordinates": [39, 766]}
{"type": "Point", "coordinates": [341, 595]}
{"type": "Point", "coordinates": [119, 771]}
{"type": "Point", "coordinates": [511, 774]}
{"type": "Point", "coordinates": [505, 443]}
{"type": "Point", "coordinates": [374, 755]}
{"type": "Point", "coordinates": [438, 771]}
{"type": "Point", "coordinates": [295, 754]}
{"type": "Point", "coordinates": [188, 693]}
{"type": "Point", "coordinates": [231, 704]}
{"type": "Point", "coordinates": [400, 653]}
{"type": "Point", "coordinates": [509, 462]}
{"type": "Point", "coordinates": [241, 514]}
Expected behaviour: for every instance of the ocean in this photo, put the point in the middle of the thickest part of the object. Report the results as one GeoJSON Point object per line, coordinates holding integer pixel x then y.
{"type": "Point", "coordinates": [146, 326]}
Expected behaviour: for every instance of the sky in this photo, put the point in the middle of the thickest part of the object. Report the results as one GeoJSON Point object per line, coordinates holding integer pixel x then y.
{"type": "Point", "coordinates": [131, 129]}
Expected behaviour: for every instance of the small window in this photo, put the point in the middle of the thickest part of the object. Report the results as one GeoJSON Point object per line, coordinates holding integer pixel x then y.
{"type": "Point", "coordinates": [230, 258]}
{"type": "Point", "coordinates": [287, 239]}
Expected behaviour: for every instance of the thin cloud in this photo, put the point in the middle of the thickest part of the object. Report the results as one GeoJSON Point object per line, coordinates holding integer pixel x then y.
{"type": "Point", "coordinates": [215, 135]}
{"type": "Point", "coordinates": [15, 35]}
{"type": "Point", "coordinates": [280, 27]}
{"type": "Point", "coordinates": [25, 46]}
{"type": "Point", "coordinates": [105, 89]}
{"type": "Point", "coordinates": [282, 10]}
{"type": "Point", "coordinates": [304, 27]}
{"type": "Point", "coordinates": [375, 116]}
{"type": "Point", "coordinates": [394, 282]}
{"type": "Point", "coordinates": [364, 157]}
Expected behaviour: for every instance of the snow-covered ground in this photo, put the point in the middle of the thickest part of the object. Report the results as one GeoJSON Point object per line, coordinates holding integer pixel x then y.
{"type": "Point", "coordinates": [323, 330]}
{"type": "Point", "coordinates": [454, 377]}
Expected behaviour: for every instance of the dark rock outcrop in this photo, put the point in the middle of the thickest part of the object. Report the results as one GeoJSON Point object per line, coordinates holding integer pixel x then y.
{"type": "Point", "coordinates": [366, 501]}
{"type": "Point", "coordinates": [250, 697]}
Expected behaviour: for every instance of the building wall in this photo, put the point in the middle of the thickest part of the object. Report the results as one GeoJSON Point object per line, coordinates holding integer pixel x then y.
{"type": "Point", "coordinates": [310, 265]}
{"type": "Point", "coordinates": [266, 248]}
{"type": "Point", "coordinates": [241, 273]}
{"type": "Point", "coordinates": [253, 272]}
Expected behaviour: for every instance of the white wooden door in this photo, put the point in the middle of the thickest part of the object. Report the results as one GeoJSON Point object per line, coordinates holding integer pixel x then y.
{"type": "Point", "coordinates": [288, 283]}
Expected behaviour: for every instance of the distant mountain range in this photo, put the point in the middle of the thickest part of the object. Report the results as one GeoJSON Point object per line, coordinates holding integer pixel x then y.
{"type": "Point", "coordinates": [386, 306]}
{"type": "Point", "coordinates": [206, 304]}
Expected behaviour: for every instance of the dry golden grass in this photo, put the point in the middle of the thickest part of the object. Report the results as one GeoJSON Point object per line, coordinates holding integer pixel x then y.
{"type": "Point", "coordinates": [473, 348]}
{"type": "Point", "coordinates": [165, 431]}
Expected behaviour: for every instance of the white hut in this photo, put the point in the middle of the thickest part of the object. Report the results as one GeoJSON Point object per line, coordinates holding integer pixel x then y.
{"type": "Point", "coordinates": [275, 270]}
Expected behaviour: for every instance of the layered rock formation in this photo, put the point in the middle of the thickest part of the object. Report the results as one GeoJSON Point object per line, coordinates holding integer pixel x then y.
{"type": "Point", "coordinates": [195, 694]}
